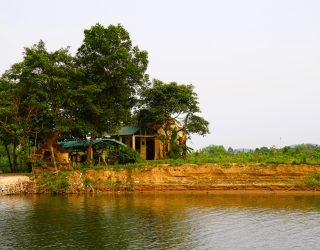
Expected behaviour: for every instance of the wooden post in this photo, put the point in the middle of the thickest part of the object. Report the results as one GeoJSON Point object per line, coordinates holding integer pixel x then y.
{"type": "Point", "coordinates": [133, 142]}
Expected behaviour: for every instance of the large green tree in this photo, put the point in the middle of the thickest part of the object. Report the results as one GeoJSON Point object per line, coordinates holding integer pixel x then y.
{"type": "Point", "coordinates": [9, 127]}
{"type": "Point", "coordinates": [49, 94]}
{"type": "Point", "coordinates": [164, 106]}
{"type": "Point", "coordinates": [39, 94]}
{"type": "Point", "coordinates": [112, 72]}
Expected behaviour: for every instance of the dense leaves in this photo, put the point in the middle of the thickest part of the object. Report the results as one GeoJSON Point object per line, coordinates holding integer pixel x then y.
{"type": "Point", "coordinates": [112, 73]}
{"type": "Point", "coordinates": [52, 95]}
{"type": "Point", "coordinates": [172, 108]}
{"type": "Point", "coordinates": [34, 99]}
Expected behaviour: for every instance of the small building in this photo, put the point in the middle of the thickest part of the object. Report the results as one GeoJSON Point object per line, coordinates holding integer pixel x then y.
{"type": "Point", "coordinates": [145, 140]}
{"type": "Point", "coordinates": [142, 139]}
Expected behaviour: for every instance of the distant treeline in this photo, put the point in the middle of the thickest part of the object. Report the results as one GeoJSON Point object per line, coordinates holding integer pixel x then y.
{"type": "Point", "coordinates": [298, 154]}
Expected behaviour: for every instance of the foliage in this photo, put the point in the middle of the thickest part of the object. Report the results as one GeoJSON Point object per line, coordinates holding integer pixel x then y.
{"type": "Point", "coordinates": [111, 73]}
{"type": "Point", "coordinates": [313, 181]}
{"type": "Point", "coordinates": [171, 106]}
{"type": "Point", "coordinates": [300, 154]}
{"type": "Point", "coordinates": [219, 155]}
{"type": "Point", "coordinates": [4, 165]}
{"type": "Point", "coordinates": [54, 183]}
{"type": "Point", "coordinates": [41, 84]}
{"type": "Point", "coordinates": [49, 94]}
{"type": "Point", "coordinates": [128, 155]}
{"type": "Point", "coordinates": [176, 148]}
{"type": "Point", "coordinates": [215, 154]}
{"type": "Point", "coordinates": [37, 99]}
{"type": "Point", "coordinates": [214, 149]}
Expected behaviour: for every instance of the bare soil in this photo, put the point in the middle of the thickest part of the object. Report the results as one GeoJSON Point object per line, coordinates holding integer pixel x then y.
{"type": "Point", "coordinates": [280, 178]}
{"type": "Point", "coordinates": [12, 179]}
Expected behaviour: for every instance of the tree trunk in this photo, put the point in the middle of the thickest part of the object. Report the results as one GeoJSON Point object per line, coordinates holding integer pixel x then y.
{"type": "Point", "coordinates": [50, 143]}
{"type": "Point", "coordinates": [9, 158]}
{"type": "Point", "coordinates": [183, 144]}
{"type": "Point", "coordinates": [14, 157]}
{"type": "Point", "coordinates": [165, 146]}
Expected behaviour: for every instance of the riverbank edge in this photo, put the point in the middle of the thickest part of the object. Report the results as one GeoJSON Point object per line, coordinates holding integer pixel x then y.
{"type": "Point", "coordinates": [187, 177]}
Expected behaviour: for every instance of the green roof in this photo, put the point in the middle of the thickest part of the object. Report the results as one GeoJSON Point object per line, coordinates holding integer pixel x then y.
{"type": "Point", "coordinates": [129, 130]}
{"type": "Point", "coordinates": [96, 143]}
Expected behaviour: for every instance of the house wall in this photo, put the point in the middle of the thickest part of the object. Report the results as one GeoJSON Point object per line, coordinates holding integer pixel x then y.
{"type": "Point", "coordinates": [158, 149]}
{"type": "Point", "coordinates": [158, 145]}
{"type": "Point", "coordinates": [128, 141]}
{"type": "Point", "coordinates": [143, 147]}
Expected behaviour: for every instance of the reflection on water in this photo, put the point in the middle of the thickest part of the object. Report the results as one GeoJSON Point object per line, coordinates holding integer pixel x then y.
{"type": "Point", "coordinates": [160, 221]}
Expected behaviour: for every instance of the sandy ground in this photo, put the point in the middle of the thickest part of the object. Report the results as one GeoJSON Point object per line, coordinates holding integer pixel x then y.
{"type": "Point", "coordinates": [12, 179]}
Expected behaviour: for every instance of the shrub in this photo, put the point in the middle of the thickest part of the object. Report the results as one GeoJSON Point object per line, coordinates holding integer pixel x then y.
{"type": "Point", "coordinates": [54, 183]}
{"type": "Point", "coordinates": [128, 155]}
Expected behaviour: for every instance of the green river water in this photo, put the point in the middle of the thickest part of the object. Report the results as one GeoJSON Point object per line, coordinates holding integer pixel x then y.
{"type": "Point", "coordinates": [161, 221]}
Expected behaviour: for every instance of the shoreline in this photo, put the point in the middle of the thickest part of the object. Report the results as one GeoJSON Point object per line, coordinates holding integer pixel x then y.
{"type": "Point", "coordinates": [206, 178]}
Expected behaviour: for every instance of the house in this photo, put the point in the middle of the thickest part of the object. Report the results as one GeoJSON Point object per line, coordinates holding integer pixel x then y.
{"type": "Point", "coordinates": [142, 139]}
{"type": "Point", "coordinates": [145, 140]}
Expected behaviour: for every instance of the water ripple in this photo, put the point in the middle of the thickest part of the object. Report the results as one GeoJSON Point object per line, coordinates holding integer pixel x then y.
{"type": "Point", "coordinates": [160, 222]}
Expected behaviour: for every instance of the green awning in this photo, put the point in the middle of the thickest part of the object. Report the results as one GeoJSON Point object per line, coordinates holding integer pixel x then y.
{"type": "Point", "coordinates": [80, 145]}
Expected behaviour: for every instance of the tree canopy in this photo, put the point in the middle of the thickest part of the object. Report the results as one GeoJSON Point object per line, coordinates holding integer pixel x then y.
{"type": "Point", "coordinates": [53, 94]}
{"type": "Point", "coordinates": [164, 105]}
{"type": "Point", "coordinates": [112, 71]}
{"type": "Point", "coordinates": [38, 89]}
{"type": "Point", "coordinates": [49, 94]}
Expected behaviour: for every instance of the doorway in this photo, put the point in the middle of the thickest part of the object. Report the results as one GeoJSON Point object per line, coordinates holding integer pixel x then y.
{"type": "Point", "coordinates": [150, 149]}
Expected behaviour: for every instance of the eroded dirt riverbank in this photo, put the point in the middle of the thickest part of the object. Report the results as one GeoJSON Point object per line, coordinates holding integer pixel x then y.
{"type": "Point", "coordinates": [187, 177]}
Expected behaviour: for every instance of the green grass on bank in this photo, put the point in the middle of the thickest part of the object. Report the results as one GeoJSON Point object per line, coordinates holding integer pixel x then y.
{"type": "Point", "coordinates": [301, 154]}
{"type": "Point", "coordinates": [313, 181]}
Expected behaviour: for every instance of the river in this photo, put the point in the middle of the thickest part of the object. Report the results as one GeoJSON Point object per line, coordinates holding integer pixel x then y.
{"type": "Point", "coordinates": [161, 221]}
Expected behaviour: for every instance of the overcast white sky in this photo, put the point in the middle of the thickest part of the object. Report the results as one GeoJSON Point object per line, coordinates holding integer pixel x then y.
{"type": "Point", "coordinates": [254, 64]}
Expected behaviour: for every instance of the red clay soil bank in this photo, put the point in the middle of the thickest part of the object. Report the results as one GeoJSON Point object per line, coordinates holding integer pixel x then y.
{"type": "Point", "coordinates": [198, 177]}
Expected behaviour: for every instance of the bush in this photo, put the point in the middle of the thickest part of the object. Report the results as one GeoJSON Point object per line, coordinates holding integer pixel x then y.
{"type": "Point", "coordinates": [313, 181]}
{"type": "Point", "coordinates": [55, 183]}
{"type": "Point", "coordinates": [175, 152]}
{"type": "Point", "coordinates": [128, 155]}
{"type": "Point", "coordinates": [214, 149]}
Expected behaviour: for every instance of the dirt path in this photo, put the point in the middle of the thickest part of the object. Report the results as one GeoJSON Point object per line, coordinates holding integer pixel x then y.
{"type": "Point", "coordinates": [12, 179]}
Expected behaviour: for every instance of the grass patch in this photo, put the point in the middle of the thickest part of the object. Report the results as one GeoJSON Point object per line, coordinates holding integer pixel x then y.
{"type": "Point", "coordinates": [313, 181]}
{"type": "Point", "coordinates": [54, 183]}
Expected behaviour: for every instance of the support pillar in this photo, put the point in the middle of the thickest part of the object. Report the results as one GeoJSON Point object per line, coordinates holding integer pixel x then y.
{"type": "Point", "coordinates": [133, 142]}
